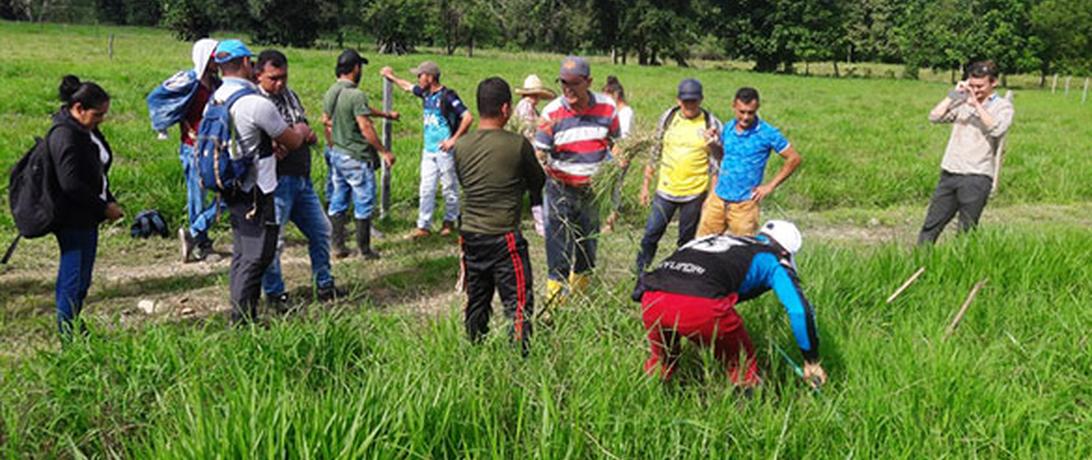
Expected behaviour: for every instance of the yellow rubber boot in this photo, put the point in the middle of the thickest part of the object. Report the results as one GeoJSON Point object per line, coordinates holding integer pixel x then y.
{"type": "Point", "coordinates": [555, 292]}
{"type": "Point", "coordinates": [578, 282]}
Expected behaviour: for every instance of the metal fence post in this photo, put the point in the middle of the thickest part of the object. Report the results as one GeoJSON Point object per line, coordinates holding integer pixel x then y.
{"type": "Point", "coordinates": [388, 104]}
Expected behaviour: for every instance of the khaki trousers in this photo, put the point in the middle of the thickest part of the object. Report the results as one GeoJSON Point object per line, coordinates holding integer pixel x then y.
{"type": "Point", "coordinates": [717, 216]}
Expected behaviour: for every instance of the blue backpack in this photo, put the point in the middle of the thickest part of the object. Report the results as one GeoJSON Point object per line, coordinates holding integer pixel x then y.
{"type": "Point", "coordinates": [217, 170]}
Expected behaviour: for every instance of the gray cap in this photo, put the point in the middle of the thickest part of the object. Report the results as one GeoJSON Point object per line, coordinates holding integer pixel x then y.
{"type": "Point", "coordinates": [574, 66]}
{"type": "Point", "coordinates": [426, 67]}
{"type": "Point", "coordinates": [690, 90]}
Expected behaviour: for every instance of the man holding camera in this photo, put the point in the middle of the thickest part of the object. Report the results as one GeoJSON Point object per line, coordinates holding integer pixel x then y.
{"type": "Point", "coordinates": [980, 119]}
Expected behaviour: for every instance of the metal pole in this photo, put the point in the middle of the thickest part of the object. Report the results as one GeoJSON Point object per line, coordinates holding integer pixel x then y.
{"type": "Point", "coordinates": [1084, 97]}
{"type": "Point", "coordinates": [110, 47]}
{"type": "Point", "coordinates": [388, 104]}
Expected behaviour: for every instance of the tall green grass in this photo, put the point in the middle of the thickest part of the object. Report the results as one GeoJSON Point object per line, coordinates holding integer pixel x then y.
{"type": "Point", "coordinates": [1011, 382]}
{"type": "Point", "coordinates": [371, 382]}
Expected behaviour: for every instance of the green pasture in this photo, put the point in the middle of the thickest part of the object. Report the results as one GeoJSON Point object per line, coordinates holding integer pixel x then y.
{"type": "Point", "coordinates": [866, 142]}
{"type": "Point", "coordinates": [391, 375]}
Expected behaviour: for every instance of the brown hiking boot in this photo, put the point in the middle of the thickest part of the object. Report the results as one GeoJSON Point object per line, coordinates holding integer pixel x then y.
{"type": "Point", "coordinates": [447, 229]}
{"type": "Point", "coordinates": [419, 233]}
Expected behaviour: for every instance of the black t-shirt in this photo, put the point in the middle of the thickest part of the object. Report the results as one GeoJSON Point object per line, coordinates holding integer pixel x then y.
{"type": "Point", "coordinates": [710, 267]}
{"type": "Point", "coordinates": [297, 162]}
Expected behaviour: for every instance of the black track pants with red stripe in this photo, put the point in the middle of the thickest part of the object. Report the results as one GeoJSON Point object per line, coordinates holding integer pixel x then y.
{"type": "Point", "coordinates": [497, 262]}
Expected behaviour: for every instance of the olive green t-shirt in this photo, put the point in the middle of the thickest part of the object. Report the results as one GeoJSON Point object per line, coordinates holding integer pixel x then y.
{"type": "Point", "coordinates": [344, 102]}
{"type": "Point", "coordinates": [495, 167]}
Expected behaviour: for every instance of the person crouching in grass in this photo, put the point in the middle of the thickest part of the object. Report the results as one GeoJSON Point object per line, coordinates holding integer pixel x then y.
{"type": "Point", "coordinates": [495, 167]}
{"type": "Point", "coordinates": [694, 294]}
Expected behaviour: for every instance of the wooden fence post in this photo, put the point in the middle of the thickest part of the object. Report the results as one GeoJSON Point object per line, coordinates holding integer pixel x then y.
{"type": "Point", "coordinates": [110, 47]}
{"type": "Point", "coordinates": [999, 155]}
{"type": "Point", "coordinates": [1067, 85]}
{"type": "Point", "coordinates": [388, 105]}
{"type": "Point", "coordinates": [1054, 84]}
{"type": "Point", "coordinates": [1084, 97]}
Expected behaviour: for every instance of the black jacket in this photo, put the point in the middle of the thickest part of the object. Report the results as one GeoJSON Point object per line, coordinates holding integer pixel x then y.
{"type": "Point", "coordinates": [80, 173]}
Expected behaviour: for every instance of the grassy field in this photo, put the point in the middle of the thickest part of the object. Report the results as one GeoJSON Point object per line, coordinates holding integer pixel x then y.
{"type": "Point", "coordinates": [390, 375]}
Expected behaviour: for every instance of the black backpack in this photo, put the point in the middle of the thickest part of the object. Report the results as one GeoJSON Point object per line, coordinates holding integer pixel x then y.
{"type": "Point", "coordinates": [33, 191]}
{"type": "Point", "coordinates": [447, 109]}
{"type": "Point", "coordinates": [148, 223]}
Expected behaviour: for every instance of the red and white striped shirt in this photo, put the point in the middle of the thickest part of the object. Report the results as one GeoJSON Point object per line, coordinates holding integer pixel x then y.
{"type": "Point", "coordinates": [577, 142]}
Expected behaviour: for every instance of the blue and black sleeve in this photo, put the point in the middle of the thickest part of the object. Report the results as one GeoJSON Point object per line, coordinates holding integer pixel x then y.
{"type": "Point", "coordinates": [786, 286]}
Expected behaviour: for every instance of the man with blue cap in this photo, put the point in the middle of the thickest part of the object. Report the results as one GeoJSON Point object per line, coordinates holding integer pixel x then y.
{"type": "Point", "coordinates": [257, 125]}
{"type": "Point", "coordinates": [685, 153]}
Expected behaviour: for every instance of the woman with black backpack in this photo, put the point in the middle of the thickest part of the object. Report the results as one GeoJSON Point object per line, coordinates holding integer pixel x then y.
{"type": "Point", "coordinates": [81, 159]}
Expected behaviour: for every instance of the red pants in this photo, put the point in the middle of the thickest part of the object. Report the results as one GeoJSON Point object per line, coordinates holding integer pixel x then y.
{"type": "Point", "coordinates": [708, 322]}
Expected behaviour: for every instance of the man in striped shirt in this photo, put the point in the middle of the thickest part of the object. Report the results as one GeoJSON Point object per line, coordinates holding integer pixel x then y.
{"type": "Point", "coordinates": [576, 134]}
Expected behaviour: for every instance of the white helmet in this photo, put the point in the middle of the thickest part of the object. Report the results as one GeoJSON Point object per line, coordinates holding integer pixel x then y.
{"type": "Point", "coordinates": [784, 233]}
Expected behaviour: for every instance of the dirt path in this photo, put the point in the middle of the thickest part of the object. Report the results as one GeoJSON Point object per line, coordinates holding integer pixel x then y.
{"type": "Point", "coordinates": [137, 282]}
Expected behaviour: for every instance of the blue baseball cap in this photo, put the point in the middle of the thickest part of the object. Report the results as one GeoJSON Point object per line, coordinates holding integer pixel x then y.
{"type": "Point", "coordinates": [230, 50]}
{"type": "Point", "coordinates": [690, 90]}
{"type": "Point", "coordinates": [574, 66]}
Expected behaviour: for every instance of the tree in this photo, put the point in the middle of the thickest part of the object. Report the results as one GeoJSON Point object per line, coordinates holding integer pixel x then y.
{"type": "Point", "coordinates": [869, 30]}
{"type": "Point", "coordinates": [189, 19]}
{"type": "Point", "coordinates": [659, 29]}
{"type": "Point", "coordinates": [936, 34]}
{"type": "Point", "coordinates": [778, 33]}
{"type": "Point", "coordinates": [395, 24]}
{"type": "Point", "coordinates": [286, 22]}
{"type": "Point", "coordinates": [128, 12]}
{"type": "Point", "coordinates": [1063, 29]}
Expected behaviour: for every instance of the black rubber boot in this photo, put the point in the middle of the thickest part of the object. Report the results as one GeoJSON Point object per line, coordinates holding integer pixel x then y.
{"type": "Point", "coordinates": [364, 239]}
{"type": "Point", "coordinates": [338, 222]}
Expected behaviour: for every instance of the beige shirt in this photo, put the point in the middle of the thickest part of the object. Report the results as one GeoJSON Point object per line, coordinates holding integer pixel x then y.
{"type": "Point", "coordinates": [527, 118]}
{"type": "Point", "coordinates": [972, 146]}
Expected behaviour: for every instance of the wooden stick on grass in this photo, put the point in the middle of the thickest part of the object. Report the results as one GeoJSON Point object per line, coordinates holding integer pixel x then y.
{"type": "Point", "coordinates": [963, 309]}
{"type": "Point", "coordinates": [905, 285]}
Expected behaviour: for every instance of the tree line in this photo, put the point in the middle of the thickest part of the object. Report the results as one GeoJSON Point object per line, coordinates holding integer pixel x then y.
{"type": "Point", "coordinates": [1021, 36]}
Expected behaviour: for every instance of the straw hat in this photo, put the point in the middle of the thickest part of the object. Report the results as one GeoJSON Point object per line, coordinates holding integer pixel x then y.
{"type": "Point", "coordinates": [532, 85]}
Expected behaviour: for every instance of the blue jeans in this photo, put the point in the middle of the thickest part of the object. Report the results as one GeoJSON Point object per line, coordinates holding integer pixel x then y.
{"type": "Point", "coordinates": [295, 200]}
{"type": "Point", "coordinates": [662, 212]}
{"type": "Point", "coordinates": [356, 179]}
{"type": "Point", "coordinates": [329, 186]}
{"type": "Point", "coordinates": [572, 226]}
{"type": "Point", "coordinates": [201, 216]}
{"type": "Point", "coordinates": [438, 167]}
{"type": "Point", "coordinates": [78, 247]}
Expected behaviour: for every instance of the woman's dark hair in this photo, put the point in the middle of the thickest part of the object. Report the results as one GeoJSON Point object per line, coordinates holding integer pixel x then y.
{"type": "Point", "coordinates": [614, 88]}
{"type": "Point", "coordinates": [87, 94]}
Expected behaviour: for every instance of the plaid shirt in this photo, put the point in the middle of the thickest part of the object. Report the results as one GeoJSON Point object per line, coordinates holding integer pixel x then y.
{"type": "Point", "coordinates": [297, 162]}
{"type": "Point", "coordinates": [288, 103]}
